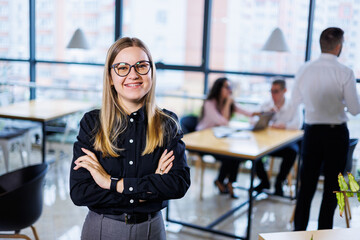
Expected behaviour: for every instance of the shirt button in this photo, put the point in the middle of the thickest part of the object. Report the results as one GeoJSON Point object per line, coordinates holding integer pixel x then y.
{"type": "Point", "coordinates": [131, 189]}
{"type": "Point", "coordinates": [131, 119]}
{"type": "Point", "coordinates": [131, 200]}
{"type": "Point", "coordinates": [135, 113]}
{"type": "Point", "coordinates": [131, 162]}
{"type": "Point", "coordinates": [131, 141]}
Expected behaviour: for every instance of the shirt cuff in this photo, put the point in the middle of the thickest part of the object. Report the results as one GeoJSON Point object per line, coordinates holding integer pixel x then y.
{"type": "Point", "coordinates": [130, 186]}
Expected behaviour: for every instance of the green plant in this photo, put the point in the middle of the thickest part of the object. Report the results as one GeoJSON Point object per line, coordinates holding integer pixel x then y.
{"type": "Point", "coordinates": [345, 192]}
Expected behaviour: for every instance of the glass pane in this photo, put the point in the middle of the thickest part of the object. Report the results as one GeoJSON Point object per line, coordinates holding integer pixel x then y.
{"type": "Point", "coordinates": [239, 30]}
{"type": "Point", "coordinates": [15, 82]}
{"type": "Point", "coordinates": [69, 81]}
{"type": "Point", "coordinates": [343, 14]}
{"type": "Point", "coordinates": [14, 29]}
{"type": "Point", "coordinates": [56, 22]}
{"type": "Point", "coordinates": [171, 29]}
{"type": "Point", "coordinates": [180, 91]}
{"type": "Point", "coordinates": [251, 90]}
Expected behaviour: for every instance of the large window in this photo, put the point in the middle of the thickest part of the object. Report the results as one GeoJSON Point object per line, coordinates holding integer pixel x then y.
{"type": "Point", "coordinates": [172, 29]}
{"type": "Point", "coordinates": [241, 28]}
{"type": "Point", "coordinates": [192, 42]}
{"type": "Point", "coordinates": [14, 29]}
{"type": "Point", "coordinates": [57, 20]}
{"type": "Point", "coordinates": [346, 15]}
{"type": "Point", "coordinates": [69, 81]}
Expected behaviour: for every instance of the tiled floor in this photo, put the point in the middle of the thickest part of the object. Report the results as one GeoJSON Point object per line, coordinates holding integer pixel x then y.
{"type": "Point", "coordinates": [62, 220]}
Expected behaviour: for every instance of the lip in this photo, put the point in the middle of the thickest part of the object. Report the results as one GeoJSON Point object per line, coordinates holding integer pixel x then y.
{"type": "Point", "coordinates": [133, 84]}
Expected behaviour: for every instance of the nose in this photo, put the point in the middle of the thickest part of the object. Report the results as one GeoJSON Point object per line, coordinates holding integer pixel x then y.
{"type": "Point", "coordinates": [133, 74]}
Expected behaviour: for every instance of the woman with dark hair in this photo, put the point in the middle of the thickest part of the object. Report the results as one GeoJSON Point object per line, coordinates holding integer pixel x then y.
{"type": "Point", "coordinates": [218, 108]}
{"type": "Point", "coordinates": [129, 158]}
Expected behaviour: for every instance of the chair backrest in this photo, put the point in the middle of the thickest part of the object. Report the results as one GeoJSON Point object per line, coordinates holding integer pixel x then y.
{"type": "Point", "coordinates": [349, 160]}
{"type": "Point", "coordinates": [188, 123]}
{"type": "Point", "coordinates": [21, 197]}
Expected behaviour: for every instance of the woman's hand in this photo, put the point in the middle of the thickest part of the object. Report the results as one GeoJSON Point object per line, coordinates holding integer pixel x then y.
{"type": "Point", "coordinates": [91, 163]}
{"type": "Point", "coordinates": [165, 162]}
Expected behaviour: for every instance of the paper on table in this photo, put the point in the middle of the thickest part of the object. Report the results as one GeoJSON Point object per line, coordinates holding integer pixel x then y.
{"type": "Point", "coordinates": [230, 132]}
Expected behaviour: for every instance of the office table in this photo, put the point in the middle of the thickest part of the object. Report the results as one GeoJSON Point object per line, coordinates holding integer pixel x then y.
{"type": "Point", "coordinates": [43, 111]}
{"type": "Point", "coordinates": [248, 146]}
{"type": "Point", "coordinates": [332, 234]}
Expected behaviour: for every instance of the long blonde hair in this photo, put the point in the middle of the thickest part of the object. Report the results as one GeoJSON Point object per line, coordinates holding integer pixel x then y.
{"type": "Point", "coordinates": [113, 115]}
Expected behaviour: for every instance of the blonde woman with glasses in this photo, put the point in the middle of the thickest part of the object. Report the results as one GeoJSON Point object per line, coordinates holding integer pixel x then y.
{"type": "Point", "coordinates": [129, 158]}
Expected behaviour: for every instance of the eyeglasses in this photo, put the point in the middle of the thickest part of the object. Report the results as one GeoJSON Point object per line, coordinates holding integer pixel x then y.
{"type": "Point", "coordinates": [228, 87]}
{"type": "Point", "coordinates": [122, 69]}
{"type": "Point", "coordinates": [275, 91]}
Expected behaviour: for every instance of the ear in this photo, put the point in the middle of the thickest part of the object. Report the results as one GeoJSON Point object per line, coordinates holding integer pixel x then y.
{"type": "Point", "coordinates": [285, 89]}
{"type": "Point", "coordinates": [338, 48]}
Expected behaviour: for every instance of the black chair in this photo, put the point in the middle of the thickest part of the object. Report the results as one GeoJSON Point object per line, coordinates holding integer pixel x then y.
{"type": "Point", "coordinates": [349, 161]}
{"type": "Point", "coordinates": [21, 199]}
{"type": "Point", "coordinates": [188, 123]}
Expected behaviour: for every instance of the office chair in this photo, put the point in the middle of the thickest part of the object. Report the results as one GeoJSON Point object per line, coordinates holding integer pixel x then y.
{"type": "Point", "coordinates": [188, 123]}
{"type": "Point", "coordinates": [10, 137]}
{"type": "Point", "coordinates": [21, 200]}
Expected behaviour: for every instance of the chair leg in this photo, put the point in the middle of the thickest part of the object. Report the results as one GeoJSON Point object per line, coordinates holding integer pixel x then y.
{"type": "Point", "coordinates": [35, 232]}
{"type": "Point", "coordinates": [5, 150]}
{"type": "Point", "coordinates": [201, 177]}
{"type": "Point", "coordinates": [292, 215]}
{"type": "Point", "coordinates": [289, 182]}
{"type": "Point", "coordinates": [197, 164]}
{"type": "Point", "coordinates": [271, 165]}
{"type": "Point", "coordinates": [292, 176]}
{"type": "Point", "coordinates": [16, 235]}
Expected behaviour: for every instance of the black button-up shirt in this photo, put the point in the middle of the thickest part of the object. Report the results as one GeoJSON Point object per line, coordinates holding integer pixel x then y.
{"type": "Point", "coordinates": [138, 172]}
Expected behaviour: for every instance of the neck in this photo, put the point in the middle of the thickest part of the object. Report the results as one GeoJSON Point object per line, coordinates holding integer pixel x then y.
{"type": "Point", "coordinates": [280, 103]}
{"type": "Point", "coordinates": [131, 107]}
{"type": "Point", "coordinates": [333, 52]}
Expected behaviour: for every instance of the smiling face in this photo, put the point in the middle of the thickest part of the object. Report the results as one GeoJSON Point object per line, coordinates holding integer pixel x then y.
{"type": "Point", "coordinates": [132, 88]}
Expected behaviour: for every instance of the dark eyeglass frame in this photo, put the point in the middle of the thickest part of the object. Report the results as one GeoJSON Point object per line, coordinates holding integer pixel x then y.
{"type": "Point", "coordinates": [276, 91]}
{"type": "Point", "coordinates": [130, 66]}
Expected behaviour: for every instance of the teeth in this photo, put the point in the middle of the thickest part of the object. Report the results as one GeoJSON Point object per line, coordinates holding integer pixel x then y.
{"type": "Point", "coordinates": [133, 84]}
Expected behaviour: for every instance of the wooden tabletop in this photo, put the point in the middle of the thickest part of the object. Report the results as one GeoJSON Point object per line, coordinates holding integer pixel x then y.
{"type": "Point", "coordinates": [247, 144]}
{"type": "Point", "coordinates": [333, 234]}
{"type": "Point", "coordinates": [43, 110]}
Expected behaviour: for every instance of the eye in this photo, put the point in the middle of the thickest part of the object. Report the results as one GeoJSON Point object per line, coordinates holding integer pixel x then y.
{"type": "Point", "coordinates": [142, 65]}
{"type": "Point", "coordinates": [122, 67]}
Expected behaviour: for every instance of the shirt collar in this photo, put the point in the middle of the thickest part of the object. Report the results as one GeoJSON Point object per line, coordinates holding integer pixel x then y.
{"type": "Point", "coordinates": [328, 56]}
{"type": "Point", "coordinates": [139, 115]}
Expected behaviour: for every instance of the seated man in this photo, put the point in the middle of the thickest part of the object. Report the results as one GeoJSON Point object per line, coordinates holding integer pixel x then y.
{"type": "Point", "coordinates": [282, 119]}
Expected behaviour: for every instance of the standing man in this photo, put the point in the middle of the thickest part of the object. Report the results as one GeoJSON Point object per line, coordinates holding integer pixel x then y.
{"type": "Point", "coordinates": [326, 87]}
{"type": "Point", "coordinates": [282, 119]}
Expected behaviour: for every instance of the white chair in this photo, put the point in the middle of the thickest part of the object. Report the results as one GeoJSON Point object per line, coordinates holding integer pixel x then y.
{"type": "Point", "coordinates": [13, 138]}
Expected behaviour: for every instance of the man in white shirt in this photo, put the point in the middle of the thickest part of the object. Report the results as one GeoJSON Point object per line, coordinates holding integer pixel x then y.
{"type": "Point", "coordinates": [283, 119]}
{"type": "Point", "coordinates": [326, 87]}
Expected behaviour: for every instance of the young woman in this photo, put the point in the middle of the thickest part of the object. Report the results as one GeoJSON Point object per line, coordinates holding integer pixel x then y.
{"type": "Point", "coordinates": [129, 157]}
{"type": "Point", "coordinates": [217, 111]}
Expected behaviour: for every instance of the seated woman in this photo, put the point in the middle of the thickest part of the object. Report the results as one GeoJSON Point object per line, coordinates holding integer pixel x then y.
{"type": "Point", "coordinates": [217, 111]}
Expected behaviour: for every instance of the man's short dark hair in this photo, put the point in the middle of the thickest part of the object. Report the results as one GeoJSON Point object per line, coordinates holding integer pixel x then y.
{"type": "Point", "coordinates": [330, 38]}
{"type": "Point", "coordinates": [279, 81]}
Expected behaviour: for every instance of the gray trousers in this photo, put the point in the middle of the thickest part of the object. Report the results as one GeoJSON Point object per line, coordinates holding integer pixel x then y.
{"type": "Point", "coordinates": [98, 227]}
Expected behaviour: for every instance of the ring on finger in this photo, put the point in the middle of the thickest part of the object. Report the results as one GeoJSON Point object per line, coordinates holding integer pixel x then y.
{"type": "Point", "coordinates": [161, 171]}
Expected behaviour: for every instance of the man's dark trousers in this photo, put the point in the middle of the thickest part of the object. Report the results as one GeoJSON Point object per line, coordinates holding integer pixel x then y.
{"type": "Point", "coordinates": [327, 145]}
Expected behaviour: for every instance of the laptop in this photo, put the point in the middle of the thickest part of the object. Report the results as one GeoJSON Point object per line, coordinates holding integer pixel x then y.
{"type": "Point", "coordinates": [263, 121]}
{"type": "Point", "coordinates": [260, 124]}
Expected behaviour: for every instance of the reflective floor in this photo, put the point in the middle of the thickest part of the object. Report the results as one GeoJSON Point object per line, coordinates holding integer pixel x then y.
{"type": "Point", "coordinates": [62, 220]}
